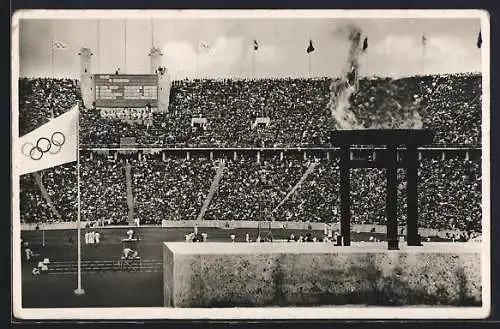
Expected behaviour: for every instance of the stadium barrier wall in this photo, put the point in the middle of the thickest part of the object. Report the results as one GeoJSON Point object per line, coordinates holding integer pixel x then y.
{"type": "Point", "coordinates": [52, 226]}
{"type": "Point", "coordinates": [425, 232]}
{"type": "Point", "coordinates": [314, 274]}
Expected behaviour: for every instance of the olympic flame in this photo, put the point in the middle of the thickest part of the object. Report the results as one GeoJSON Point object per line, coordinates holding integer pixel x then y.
{"type": "Point", "coordinates": [342, 89]}
{"type": "Point", "coordinates": [390, 114]}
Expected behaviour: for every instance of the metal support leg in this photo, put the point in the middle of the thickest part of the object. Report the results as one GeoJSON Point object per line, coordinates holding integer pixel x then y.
{"type": "Point", "coordinates": [345, 195]}
{"type": "Point", "coordinates": [391, 199]}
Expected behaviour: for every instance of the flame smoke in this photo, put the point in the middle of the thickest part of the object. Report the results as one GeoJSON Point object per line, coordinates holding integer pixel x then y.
{"type": "Point", "coordinates": [342, 89]}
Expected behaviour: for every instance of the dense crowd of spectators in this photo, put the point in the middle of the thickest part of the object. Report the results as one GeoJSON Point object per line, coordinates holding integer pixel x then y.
{"type": "Point", "coordinates": [103, 189]}
{"type": "Point", "coordinates": [251, 191]}
{"type": "Point", "coordinates": [170, 189]}
{"type": "Point", "coordinates": [298, 113]}
{"type": "Point", "coordinates": [297, 108]}
{"type": "Point", "coordinates": [175, 189]}
{"type": "Point", "coordinates": [42, 99]}
{"type": "Point", "coordinates": [60, 184]}
{"type": "Point", "coordinates": [33, 207]}
{"type": "Point", "coordinates": [450, 194]}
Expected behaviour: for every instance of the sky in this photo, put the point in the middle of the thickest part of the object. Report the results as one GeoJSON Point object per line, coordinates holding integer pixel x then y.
{"type": "Point", "coordinates": [394, 46]}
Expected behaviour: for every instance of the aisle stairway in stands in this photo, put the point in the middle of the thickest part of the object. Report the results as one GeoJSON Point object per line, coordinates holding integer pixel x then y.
{"type": "Point", "coordinates": [308, 171]}
{"type": "Point", "coordinates": [213, 189]}
{"type": "Point", "coordinates": [130, 194]}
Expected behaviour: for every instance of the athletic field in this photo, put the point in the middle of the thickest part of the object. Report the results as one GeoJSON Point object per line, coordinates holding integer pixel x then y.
{"type": "Point", "coordinates": [105, 284]}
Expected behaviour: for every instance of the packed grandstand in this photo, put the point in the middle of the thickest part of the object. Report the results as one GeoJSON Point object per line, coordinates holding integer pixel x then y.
{"type": "Point", "coordinates": [175, 187]}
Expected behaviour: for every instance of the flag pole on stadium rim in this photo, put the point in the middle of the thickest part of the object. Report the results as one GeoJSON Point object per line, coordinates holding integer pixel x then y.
{"type": "Point", "coordinates": [98, 46]}
{"type": "Point", "coordinates": [152, 32]}
{"type": "Point", "coordinates": [52, 65]}
{"type": "Point", "coordinates": [309, 59]}
{"type": "Point", "coordinates": [52, 55]}
{"type": "Point", "coordinates": [424, 43]}
{"type": "Point", "coordinates": [79, 290]}
{"type": "Point", "coordinates": [197, 50]}
{"type": "Point", "coordinates": [253, 63]}
{"type": "Point", "coordinates": [125, 46]}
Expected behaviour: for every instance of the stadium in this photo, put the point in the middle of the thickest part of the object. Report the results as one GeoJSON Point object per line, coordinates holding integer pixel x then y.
{"type": "Point", "coordinates": [236, 160]}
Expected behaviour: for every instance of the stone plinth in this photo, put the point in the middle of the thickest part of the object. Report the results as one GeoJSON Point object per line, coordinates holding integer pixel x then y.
{"type": "Point", "coordinates": [313, 274]}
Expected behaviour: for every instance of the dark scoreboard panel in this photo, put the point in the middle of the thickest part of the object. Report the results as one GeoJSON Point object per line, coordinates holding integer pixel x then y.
{"type": "Point", "coordinates": [126, 90]}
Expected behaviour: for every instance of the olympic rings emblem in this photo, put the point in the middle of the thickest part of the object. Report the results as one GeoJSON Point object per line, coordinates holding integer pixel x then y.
{"type": "Point", "coordinates": [44, 145]}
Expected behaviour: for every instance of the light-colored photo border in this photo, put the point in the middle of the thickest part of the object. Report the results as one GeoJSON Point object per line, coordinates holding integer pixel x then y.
{"type": "Point", "coordinates": [330, 312]}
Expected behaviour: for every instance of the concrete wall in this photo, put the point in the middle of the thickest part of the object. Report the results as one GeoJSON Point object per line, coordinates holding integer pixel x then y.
{"type": "Point", "coordinates": [425, 232]}
{"type": "Point", "coordinates": [312, 274]}
{"type": "Point", "coordinates": [241, 224]}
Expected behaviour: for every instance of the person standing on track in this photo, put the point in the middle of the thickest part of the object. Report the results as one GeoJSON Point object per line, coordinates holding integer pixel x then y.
{"type": "Point", "coordinates": [97, 238]}
{"type": "Point", "coordinates": [91, 237]}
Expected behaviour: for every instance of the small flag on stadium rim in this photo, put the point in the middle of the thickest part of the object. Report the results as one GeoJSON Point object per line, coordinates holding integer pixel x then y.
{"type": "Point", "coordinates": [310, 49]}
{"type": "Point", "coordinates": [50, 145]}
{"type": "Point", "coordinates": [479, 40]}
{"type": "Point", "coordinates": [424, 39]}
{"type": "Point", "coordinates": [204, 46]}
{"type": "Point", "coordinates": [255, 45]}
{"type": "Point", "coordinates": [365, 44]}
{"type": "Point", "coordinates": [60, 45]}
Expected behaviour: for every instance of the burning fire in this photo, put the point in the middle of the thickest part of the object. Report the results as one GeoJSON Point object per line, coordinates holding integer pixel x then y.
{"type": "Point", "coordinates": [391, 113]}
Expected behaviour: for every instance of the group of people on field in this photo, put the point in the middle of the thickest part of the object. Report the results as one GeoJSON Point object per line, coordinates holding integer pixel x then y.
{"type": "Point", "coordinates": [92, 238]}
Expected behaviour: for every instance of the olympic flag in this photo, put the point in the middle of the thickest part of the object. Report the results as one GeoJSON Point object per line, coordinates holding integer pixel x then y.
{"type": "Point", "coordinates": [55, 143]}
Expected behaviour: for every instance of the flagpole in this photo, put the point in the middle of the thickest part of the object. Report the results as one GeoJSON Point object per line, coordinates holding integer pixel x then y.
{"type": "Point", "coordinates": [253, 63]}
{"type": "Point", "coordinates": [241, 66]}
{"type": "Point", "coordinates": [79, 290]}
{"type": "Point", "coordinates": [152, 33]}
{"type": "Point", "coordinates": [423, 59]}
{"type": "Point", "coordinates": [424, 42]}
{"type": "Point", "coordinates": [197, 49]}
{"type": "Point", "coordinates": [125, 68]}
{"type": "Point", "coordinates": [243, 57]}
{"type": "Point", "coordinates": [52, 55]}
{"type": "Point", "coordinates": [309, 57]}
{"type": "Point", "coordinates": [52, 66]}
{"type": "Point", "coordinates": [98, 46]}
{"type": "Point", "coordinates": [197, 58]}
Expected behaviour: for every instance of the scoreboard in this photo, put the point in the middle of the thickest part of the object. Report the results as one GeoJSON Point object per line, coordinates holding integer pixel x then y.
{"type": "Point", "coordinates": [126, 90]}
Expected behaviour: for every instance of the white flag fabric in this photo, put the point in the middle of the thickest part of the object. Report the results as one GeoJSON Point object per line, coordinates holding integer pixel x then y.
{"type": "Point", "coordinates": [53, 144]}
{"type": "Point", "coordinates": [60, 45]}
{"type": "Point", "coordinates": [204, 47]}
